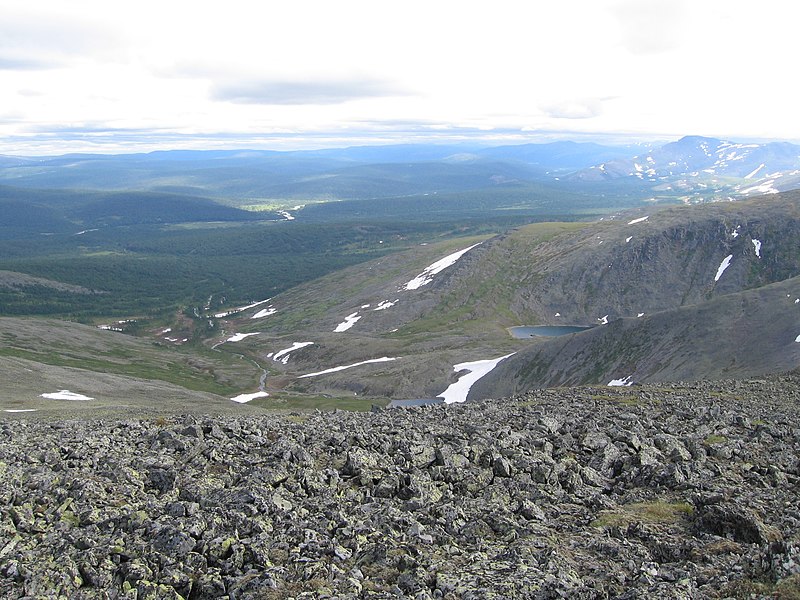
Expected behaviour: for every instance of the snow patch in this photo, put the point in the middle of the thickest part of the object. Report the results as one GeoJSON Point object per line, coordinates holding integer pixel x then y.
{"type": "Point", "coordinates": [797, 339]}
{"type": "Point", "coordinates": [426, 276]}
{"type": "Point", "coordinates": [238, 337]}
{"type": "Point", "coordinates": [457, 392]}
{"type": "Point", "coordinates": [384, 305]}
{"type": "Point", "coordinates": [625, 382]}
{"type": "Point", "coordinates": [752, 173]}
{"type": "Point", "coordinates": [735, 232]}
{"type": "Point", "coordinates": [757, 246]}
{"type": "Point", "coordinates": [348, 322]}
{"type": "Point", "coordinates": [342, 368]}
{"type": "Point", "coordinates": [65, 395]}
{"type": "Point", "coordinates": [21, 410]}
{"type": "Point", "coordinates": [628, 239]}
{"type": "Point", "coordinates": [639, 315]}
{"type": "Point", "coordinates": [723, 265]}
{"type": "Point", "coordinates": [763, 188]}
{"type": "Point", "coordinates": [264, 312]}
{"type": "Point", "coordinates": [286, 351]}
{"type": "Point", "coordinates": [639, 220]}
{"type": "Point", "coordinates": [603, 320]}
{"type": "Point", "coordinates": [244, 398]}
{"type": "Point", "coordinates": [240, 309]}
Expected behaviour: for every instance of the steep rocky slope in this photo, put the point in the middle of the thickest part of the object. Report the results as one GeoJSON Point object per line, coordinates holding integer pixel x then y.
{"type": "Point", "coordinates": [747, 333]}
{"type": "Point", "coordinates": [672, 258]}
{"type": "Point", "coordinates": [678, 491]}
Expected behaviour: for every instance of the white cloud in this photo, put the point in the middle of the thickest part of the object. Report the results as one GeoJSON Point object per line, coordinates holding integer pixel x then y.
{"type": "Point", "coordinates": [298, 92]}
{"type": "Point", "coordinates": [650, 27]}
{"type": "Point", "coordinates": [257, 72]}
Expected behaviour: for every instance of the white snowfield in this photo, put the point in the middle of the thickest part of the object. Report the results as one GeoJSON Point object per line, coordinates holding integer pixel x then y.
{"type": "Point", "coordinates": [440, 265]}
{"type": "Point", "coordinates": [753, 172]}
{"type": "Point", "coordinates": [385, 304]}
{"type": "Point", "coordinates": [348, 322]}
{"type": "Point", "coordinates": [286, 351]}
{"type": "Point", "coordinates": [625, 381]}
{"type": "Point", "coordinates": [264, 312]}
{"type": "Point", "coordinates": [757, 246]}
{"type": "Point", "coordinates": [65, 395]}
{"type": "Point", "coordinates": [797, 339]}
{"type": "Point", "coordinates": [457, 392]}
{"type": "Point", "coordinates": [244, 398]}
{"type": "Point", "coordinates": [21, 410]}
{"type": "Point", "coordinates": [238, 337]}
{"type": "Point", "coordinates": [342, 368]}
{"type": "Point", "coordinates": [233, 311]}
{"type": "Point", "coordinates": [639, 220]}
{"type": "Point", "coordinates": [723, 265]}
{"type": "Point", "coordinates": [762, 188]}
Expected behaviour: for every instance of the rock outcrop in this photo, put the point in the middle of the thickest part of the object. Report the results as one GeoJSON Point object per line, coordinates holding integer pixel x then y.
{"type": "Point", "coordinates": [679, 491]}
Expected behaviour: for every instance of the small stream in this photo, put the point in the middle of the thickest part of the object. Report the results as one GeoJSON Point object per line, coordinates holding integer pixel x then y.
{"type": "Point", "coordinates": [263, 380]}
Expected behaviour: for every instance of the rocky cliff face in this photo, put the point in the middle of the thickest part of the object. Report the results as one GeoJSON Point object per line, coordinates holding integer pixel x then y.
{"type": "Point", "coordinates": [663, 260]}
{"type": "Point", "coordinates": [748, 334]}
{"type": "Point", "coordinates": [680, 491]}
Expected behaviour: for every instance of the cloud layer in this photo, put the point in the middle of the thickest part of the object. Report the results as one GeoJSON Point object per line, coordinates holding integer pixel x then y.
{"type": "Point", "coordinates": [92, 74]}
{"type": "Point", "coordinates": [299, 92]}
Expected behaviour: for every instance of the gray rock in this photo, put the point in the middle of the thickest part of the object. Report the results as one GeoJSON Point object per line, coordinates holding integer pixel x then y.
{"type": "Point", "coordinates": [555, 494]}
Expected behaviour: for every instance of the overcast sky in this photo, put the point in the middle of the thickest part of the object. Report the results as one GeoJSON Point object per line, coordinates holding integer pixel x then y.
{"type": "Point", "coordinates": [105, 76]}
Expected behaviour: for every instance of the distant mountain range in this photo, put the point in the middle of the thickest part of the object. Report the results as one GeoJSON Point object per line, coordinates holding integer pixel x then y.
{"type": "Point", "coordinates": [700, 164]}
{"type": "Point", "coordinates": [692, 169]}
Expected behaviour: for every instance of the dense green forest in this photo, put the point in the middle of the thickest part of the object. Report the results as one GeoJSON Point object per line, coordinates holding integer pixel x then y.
{"type": "Point", "coordinates": [151, 270]}
{"type": "Point", "coordinates": [173, 231]}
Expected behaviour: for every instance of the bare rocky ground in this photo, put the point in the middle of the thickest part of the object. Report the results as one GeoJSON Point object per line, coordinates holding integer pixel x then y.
{"type": "Point", "coordinates": [678, 491]}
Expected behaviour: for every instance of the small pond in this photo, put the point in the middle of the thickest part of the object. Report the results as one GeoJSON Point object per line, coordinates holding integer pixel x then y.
{"type": "Point", "coordinates": [527, 331]}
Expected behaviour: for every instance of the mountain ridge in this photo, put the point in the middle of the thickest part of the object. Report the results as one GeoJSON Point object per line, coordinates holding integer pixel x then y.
{"type": "Point", "coordinates": [640, 268]}
{"type": "Point", "coordinates": [692, 169]}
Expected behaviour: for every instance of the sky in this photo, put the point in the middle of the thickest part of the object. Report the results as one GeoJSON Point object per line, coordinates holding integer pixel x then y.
{"type": "Point", "coordinates": [100, 76]}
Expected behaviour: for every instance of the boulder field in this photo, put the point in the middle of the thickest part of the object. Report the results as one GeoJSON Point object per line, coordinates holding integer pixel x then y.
{"type": "Point", "coordinates": [685, 490]}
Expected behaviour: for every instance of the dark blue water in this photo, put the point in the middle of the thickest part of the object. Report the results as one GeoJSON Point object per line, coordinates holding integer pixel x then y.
{"type": "Point", "coordinates": [526, 331]}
